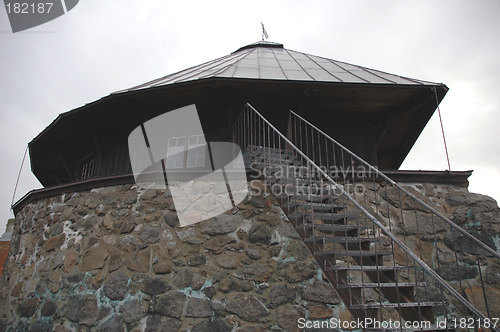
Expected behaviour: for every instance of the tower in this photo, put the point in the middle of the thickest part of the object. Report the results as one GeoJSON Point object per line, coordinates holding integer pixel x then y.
{"type": "Point", "coordinates": [93, 249]}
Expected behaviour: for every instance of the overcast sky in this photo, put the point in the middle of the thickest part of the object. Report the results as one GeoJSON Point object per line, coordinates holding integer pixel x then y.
{"type": "Point", "coordinates": [103, 46]}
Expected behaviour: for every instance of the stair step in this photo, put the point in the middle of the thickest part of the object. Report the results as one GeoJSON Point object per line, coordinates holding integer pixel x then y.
{"type": "Point", "coordinates": [325, 216]}
{"type": "Point", "coordinates": [307, 198]}
{"type": "Point", "coordinates": [319, 207]}
{"type": "Point", "coordinates": [274, 165]}
{"type": "Point", "coordinates": [382, 284]}
{"type": "Point", "coordinates": [289, 178]}
{"type": "Point", "coordinates": [294, 173]}
{"type": "Point", "coordinates": [316, 207]}
{"type": "Point", "coordinates": [395, 305]}
{"type": "Point", "coordinates": [276, 161]}
{"type": "Point", "coordinates": [340, 239]}
{"type": "Point", "coordinates": [271, 154]}
{"type": "Point", "coordinates": [302, 182]}
{"type": "Point", "coordinates": [352, 253]}
{"type": "Point", "coordinates": [331, 227]}
{"type": "Point", "coordinates": [304, 190]}
{"type": "Point", "coordinates": [261, 149]}
{"type": "Point", "coordinates": [367, 268]}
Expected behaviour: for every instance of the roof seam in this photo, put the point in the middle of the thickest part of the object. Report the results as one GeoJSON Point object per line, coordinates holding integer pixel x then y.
{"type": "Point", "coordinates": [385, 79]}
{"type": "Point", "coordinates": [225, 68]}
{"type": "Point", "coordinates": [279, 65]}
{"type": "Point", "coordinates": [310, 58]}
{"type": "Point", "coordinates": [258, 62]}
{"type": "Point", "coordinates": [176, 74]}
{"type": "Point", "coordinates": [338, 62]}
{"type": "Point", "coordinates": [348, 71]}
{"type": "Point", "coordinates": [206, 66]}
{"type": "Point", "coordinates": [299, 64]}
{"type": "Point", "coordinates": [154, 83]}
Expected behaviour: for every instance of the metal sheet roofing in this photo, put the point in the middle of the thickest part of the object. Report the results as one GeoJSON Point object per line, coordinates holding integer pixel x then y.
{"type": "Point", "coordinates": [271, 61]}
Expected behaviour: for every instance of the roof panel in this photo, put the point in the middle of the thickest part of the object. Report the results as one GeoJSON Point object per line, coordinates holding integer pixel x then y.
{"type": "Point", "coordinates": [244, 72]}
{"type": "Point", "coordinates": [265, 62]}
{"type": "Point", "coordinates": [249, 63]}
{"type": "Point", "coordinates": [347, 66]}
{"type": "Point", "coordinates": [369, 77]}
{"type": "Point", "coordinates": [308, 63]}
{"type": "Point", "coordinates": [228, 72]}
{"type": "Point", "coordinates": [396, 79]}
{"type": "Point", "coordinates": [286, 64]}
{"type": "Point", "coordinates": [298, 75]}
{"type": "Point", "coordinates": [319, 59]}
{"type": "Point", "coordinates": [272, 73]}
{"type": "Point", "coordinates": [282, 55]}
{"type": "Point", "coordinates": [348, 77]}
{"type": "Point", "coordinates": [322, 75]}
{"type": "Point", "coordinates": [252, 55]}
{"type": "Point", "coordinates": [332, 67]}
{"type": "Point", "coordinates": [298, 55]}
{"type": "Point", "coordinates": [266, 53]}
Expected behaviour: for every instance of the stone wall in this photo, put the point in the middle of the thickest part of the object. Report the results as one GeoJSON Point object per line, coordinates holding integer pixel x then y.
{"type": "Point", "coordinates": [441, 246]}
{"type": "Point", "coordinates": [479, 215]}
{"type": "Point", "coordinates": [115, 259]}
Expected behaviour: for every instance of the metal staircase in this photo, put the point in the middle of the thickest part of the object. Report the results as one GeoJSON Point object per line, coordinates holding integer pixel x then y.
{"type": "Point", "coordinates": [383, 249]}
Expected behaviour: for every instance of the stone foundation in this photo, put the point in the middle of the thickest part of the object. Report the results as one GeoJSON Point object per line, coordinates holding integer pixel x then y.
{"type": "Point", "coordinates": [115, 259]}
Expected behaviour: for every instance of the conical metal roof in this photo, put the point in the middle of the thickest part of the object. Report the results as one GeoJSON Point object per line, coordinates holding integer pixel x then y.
{"type": "Point", "coordinates": [379, 115]}
{"type": "Point", "coordinates": [271, 61]}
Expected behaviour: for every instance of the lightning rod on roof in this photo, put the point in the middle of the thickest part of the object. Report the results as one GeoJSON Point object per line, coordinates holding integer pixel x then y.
{"type": "Point", "coordinates": [264, 32]}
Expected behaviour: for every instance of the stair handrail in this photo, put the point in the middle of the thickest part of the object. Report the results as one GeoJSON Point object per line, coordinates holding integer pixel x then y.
{"type": "Point", "coordinates": [397, 185]}
{"type": "Point", "coordinates": [408, 251]}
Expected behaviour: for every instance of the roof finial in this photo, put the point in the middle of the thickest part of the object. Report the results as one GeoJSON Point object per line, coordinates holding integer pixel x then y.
{"type": "Point", "coordinates": [264, 32]}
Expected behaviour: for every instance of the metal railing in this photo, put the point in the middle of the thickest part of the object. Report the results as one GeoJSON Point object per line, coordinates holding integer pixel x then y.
{"type": "Point", "coordinates": [375, 240]}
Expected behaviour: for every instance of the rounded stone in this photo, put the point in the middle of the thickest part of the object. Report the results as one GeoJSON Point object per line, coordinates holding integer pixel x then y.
{"type": "Point", "coordinates": [259, 234]}
{"type": "Point", "coordinates": [198, 308]}
{"type": "Point", "coordinates": [150, 234]}
{"type": "Point", "coordinates": [49, 308]}
{"type": "Point", "coordinates": [82, 309]}
{"type": "Point", "coordinates": [171, 219]}
{"type": "Point", "coordinates": [247, 308]}
{"type": "Point", "coordinates": [132, 311]}
{"type": "Point", "coordinates": [28, 307]}
{"type": "Point", "coordinates": [222, 224]}
{"type": "Point", "coordinates": [212, 325]}
{"type": "Point", "coordinates": [171, 304]}
{"type": "Point", "coordinates": [116, 287]}
{"type": "Point", "coordinates": [154, 286]}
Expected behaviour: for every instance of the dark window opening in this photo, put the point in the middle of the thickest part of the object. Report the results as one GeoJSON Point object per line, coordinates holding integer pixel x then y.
{"type": "Point", "coordinates": [86, 167]}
